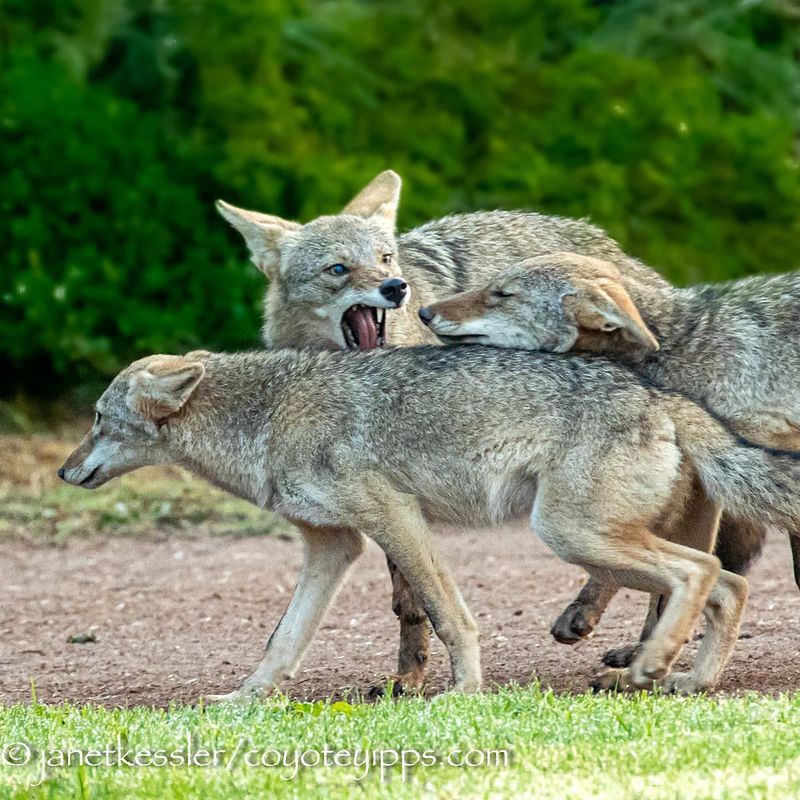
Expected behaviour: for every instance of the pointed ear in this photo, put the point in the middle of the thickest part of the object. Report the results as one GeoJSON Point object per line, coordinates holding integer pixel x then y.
{"type": "Point", "coordinates": [164, 386]}
{"type": "Point", "coordinates": [263, 233]}
{"type": "Point", "coordinates": [378, 200]}
{"type": "Point", "coordinates": [605, 306]}
{"type": "Point", "coordinates": [193, 355]}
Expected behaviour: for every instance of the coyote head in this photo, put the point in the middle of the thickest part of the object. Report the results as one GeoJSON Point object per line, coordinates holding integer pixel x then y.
{"type": "Point", "coordinates": [332, 279]}
{"type": "Point", "coordinates": [554, 303]}
{"type": "Point", "coordinates": [129, 428]}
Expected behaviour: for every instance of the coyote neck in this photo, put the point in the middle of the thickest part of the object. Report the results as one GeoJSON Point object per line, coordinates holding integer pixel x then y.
{"type": "Point", "coordinates": [684, 321]}
{"type": "Point", "coordinates": [283, 326]}
{"type": "Point", "coordinates": [224, 435]}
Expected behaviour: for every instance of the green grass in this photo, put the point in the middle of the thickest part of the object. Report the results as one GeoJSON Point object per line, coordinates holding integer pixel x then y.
{"type": "Point", "coordinates": [558, 747]}
{"type": "Point", "coordinates": [147, 505]}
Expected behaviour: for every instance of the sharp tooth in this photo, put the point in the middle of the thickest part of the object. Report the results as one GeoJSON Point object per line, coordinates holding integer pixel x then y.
{"type": "Point", "coordinates": [348, 336]}
{"type": "Point", "coordinates": [381, 312]}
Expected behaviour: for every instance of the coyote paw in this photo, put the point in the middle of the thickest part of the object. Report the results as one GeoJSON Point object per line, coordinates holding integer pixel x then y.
{"type": "Point", "coordinates": [244, 694]}
{"type": "Point", "coordinates": [381, 689]}
{"type": "Point", "coordinates": [612, 680]}
{"type": "Point", "coordinates": [412, 682]}
{"type": "Point", "coordinates": [649, 666]}
{"type": "Point", "coordinates": [620, 680]}
{"type": "Point", "coordinates": [683, 683]}
{"type": "Point", "coordinates": [620, 656]}
{"type": "Point", "coordinates": [467, 686]}
{"type": "Point", "coordinates": [574, 623]}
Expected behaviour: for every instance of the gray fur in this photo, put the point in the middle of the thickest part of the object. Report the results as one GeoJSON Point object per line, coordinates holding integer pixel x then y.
{"type": "Point", "coordinates": [733, 347]}
{"type": "Point", "coordinates": [381, 443]}
{"type": "Point", "coordinates": [304, 307]}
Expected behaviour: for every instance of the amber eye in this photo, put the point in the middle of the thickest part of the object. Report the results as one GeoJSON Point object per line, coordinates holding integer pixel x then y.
{"type": "Point", "coordinates": [387, 258]}
{"type": "Point", "coordinates": [500, 293]}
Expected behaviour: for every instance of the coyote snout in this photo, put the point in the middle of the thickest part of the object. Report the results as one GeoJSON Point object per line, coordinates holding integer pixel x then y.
{"type": "Point", "coordinates": [127, 432]}
{"type": "Point", "coordinates": [84, 467]}
{"type": "Point", "coordinates": [464, 318]}
{"type": "Point", "coordinates": [544, 304]}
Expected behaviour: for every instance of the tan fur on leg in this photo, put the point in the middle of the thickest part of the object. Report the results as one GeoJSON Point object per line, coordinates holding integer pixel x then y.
{"type": "Point", "coordinates": [399, 528]}
{"type": "Point", "coordinates": [329, 553]}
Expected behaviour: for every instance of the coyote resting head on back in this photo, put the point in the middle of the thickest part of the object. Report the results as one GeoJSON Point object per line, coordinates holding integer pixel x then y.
{"type": "Point", "coordinates": [554, 304]}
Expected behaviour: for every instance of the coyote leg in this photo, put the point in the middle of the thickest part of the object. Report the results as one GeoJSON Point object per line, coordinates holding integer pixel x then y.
{"type": "Point", "coordinates": [794, 543]}
{"type": "Point", "coordinates": [697, 528]}
{"type": "Point", "coordinates": [687, 577]}
{"type": "Point", "coordinates": [631, 555]}
{"type": "Point", "coordinates": [623, 655]}
{"type": "Point", "coordinates": [395, 522]}
{"type": "Point", "coordinates": [329, 552]}
{"type": "Point", "coordinates": [579, 618]}
{"type": "Point", "coordinates": [723, 612]}
{"type": "Point", "coordinates": [415, 633]}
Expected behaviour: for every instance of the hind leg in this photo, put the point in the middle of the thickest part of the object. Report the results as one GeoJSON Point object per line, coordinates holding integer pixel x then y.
{"type": "Point", "coordinates": [631, 555]}
{"type": "Point", "coordinates": [686, 576]}
{"type": "Point", "coordinates": [739, 543]}
{"type": "Point", "coordinates": [697, 528]}
{"type": "Point", "coordinates": [794, 543]}
{"type": "Point", "coordinates": [623, 655]}
{"type": "Point", "coordinates": [766, 430]}
{"type": "Point", "coordinates": [723, 612]}
{"type": "Point", "coordinates": [579, 618]}
{"type": "Point", "coordinates": [415, 634]}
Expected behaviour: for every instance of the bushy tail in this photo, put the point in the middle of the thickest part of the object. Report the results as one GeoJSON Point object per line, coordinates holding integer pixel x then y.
{"type": "Point", "coordinates": [747, 480]}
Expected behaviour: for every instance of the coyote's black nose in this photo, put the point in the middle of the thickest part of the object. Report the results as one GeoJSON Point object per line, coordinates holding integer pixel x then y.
{"type": "Point", "coordinates": [394, 290]}
{"type": "Point", "coordinates": [61, 473]}
{"type": "Point", "coordinates": [426, 315]}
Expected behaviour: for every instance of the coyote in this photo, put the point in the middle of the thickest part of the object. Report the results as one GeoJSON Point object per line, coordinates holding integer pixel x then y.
{"type": "Point", "coordinates": [600, 463]}
{"type": "Point", "coordinates": [331, 280]}
{"type": "Point", "coordinates": [346, 282]}
{"type": "Point", "coordinates": [732, 347]}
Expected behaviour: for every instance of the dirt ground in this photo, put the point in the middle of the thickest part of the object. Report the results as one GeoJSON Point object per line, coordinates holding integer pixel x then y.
{"type": "Point", "coordinates": [176, 619]}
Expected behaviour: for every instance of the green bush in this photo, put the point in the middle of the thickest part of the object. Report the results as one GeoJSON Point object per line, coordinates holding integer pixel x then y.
{"type": "Point", "coordinates": [111, 246]}
{"type": "Point", "coordinates": [672, 123]}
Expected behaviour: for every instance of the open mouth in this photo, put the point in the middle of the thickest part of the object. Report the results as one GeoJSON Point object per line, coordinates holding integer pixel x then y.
{"type": "Point", "coordinates": [364, 327]}
{"type": "Point", "coordinates": [88, 479]}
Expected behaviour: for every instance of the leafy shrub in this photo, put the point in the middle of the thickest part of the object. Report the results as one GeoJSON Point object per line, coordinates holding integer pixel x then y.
{"type": "Point", "coordinates": [672, 124]}
{"type": "Point", "coordinates": [111, 246]}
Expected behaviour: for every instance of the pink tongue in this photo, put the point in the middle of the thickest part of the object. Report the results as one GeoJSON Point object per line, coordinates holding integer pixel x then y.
{"type": "Point", "coordinates": [362, 324]}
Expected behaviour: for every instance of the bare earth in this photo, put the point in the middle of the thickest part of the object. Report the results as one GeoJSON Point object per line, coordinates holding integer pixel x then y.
{"type": "Point", "coordinates": [178, 619]}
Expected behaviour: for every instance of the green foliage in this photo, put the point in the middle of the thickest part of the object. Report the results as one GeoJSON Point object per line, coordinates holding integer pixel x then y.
{"type": "Point", "coordinates": [111, 246]}
{"type": "Point", "coordinates": [673, 123]}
